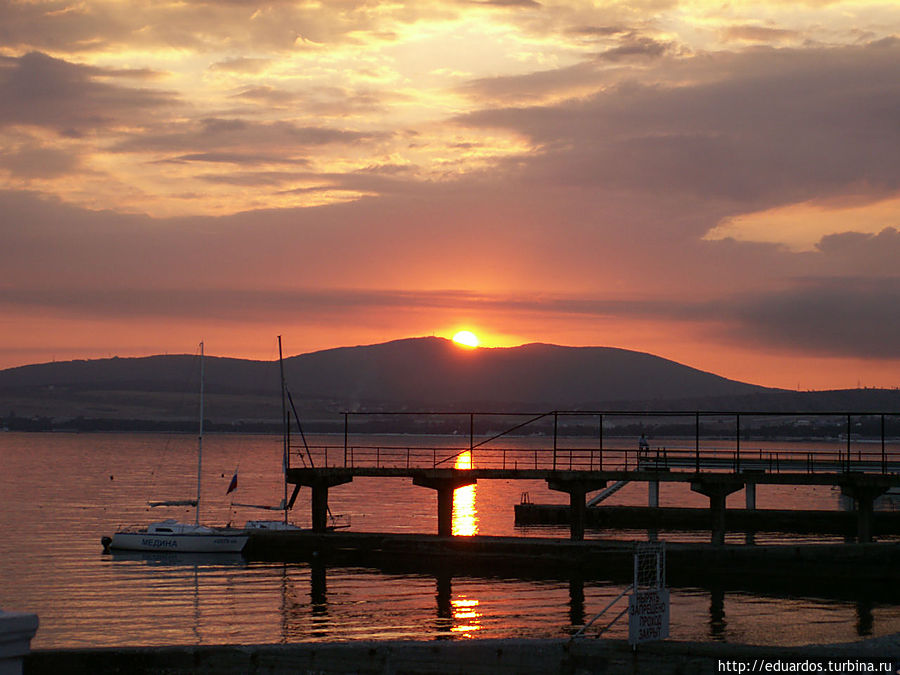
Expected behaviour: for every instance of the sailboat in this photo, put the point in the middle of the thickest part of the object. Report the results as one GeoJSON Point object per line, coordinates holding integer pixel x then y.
{"type": "Point", "coordinates": [172, 536]}
{"type": "Point", "coordinates": [285, 505]}
{"type": "Point", "coordinates": [337, 521]}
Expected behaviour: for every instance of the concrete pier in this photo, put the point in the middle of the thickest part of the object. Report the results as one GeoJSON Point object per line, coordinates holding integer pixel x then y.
{"type": "Point", "coordinates": [714, 472]}
{"type": "Point", "coordinates": [474, 657]}
{"type": "Point", "coordinates": [320, 482]}
{"type": "Point", "coordinates": [577, 488]}
{"type": "Point", "coordinates": [685, 518]}
{"type": "Point", "coordinates": [716, 490]}
{"type": "Point", "coordinates": [445, 485]}
{"type": "Point", "coordinates": [559, 558]}
{"type": "Point", "coordinates": [864, 494]}
{"type": "Point", "coordinates": [750, 490]}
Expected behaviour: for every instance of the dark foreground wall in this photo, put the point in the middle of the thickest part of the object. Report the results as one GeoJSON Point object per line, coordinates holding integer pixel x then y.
{"type": "Point", "coordinates": [475, 657]}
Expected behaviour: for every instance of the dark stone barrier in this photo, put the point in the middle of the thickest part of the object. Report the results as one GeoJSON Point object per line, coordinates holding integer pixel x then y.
{"type": "Point", "coordinates": [471, 657]}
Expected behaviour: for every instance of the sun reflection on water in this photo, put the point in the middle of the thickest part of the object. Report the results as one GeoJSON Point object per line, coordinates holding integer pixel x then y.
{"type": "Point", "coordinates": [465, 516]}
{"type": "Point", "coordinates": [465, 616]}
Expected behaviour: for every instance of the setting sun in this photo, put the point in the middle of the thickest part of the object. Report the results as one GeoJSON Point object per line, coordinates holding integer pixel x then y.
{"type": "Point", "coordinates": [466, 338]}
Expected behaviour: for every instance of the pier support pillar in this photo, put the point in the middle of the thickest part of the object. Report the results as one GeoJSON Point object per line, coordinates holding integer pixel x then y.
{"type": "Point", "coordinates": [717, 491]}
{"type": "Point", "coordinates": [864, 496]}
{"type": "Point", "coordinates": [750, 489]}
{"type": "Point", "coordinates": [750, 493]}
{"type": "Point", "coordinates": [653, 494]}
{"type": "Point", "coordinates": [577, 489]}
{"type": "Point", "coordinates": [320, 508]}
{"type": "Point", "coordinates": [319, 481]}
{"type": "Point", "coordinates": [445, 487]}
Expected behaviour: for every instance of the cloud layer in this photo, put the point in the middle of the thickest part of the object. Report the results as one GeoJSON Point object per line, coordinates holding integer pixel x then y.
{"type": "Point", "coordinates": [715, 184]}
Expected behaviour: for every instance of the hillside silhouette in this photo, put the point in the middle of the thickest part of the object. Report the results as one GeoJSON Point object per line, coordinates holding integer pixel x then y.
{"type": "Point", "coordinates": [411, 374]}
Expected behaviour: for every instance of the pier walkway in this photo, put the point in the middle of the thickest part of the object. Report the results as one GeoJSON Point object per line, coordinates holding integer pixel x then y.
{"type": "Point", "coordinates": [554, 448]}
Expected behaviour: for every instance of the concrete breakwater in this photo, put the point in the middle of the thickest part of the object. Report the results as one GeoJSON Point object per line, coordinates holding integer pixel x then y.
{"type": "Point", "coordinates": [475, 657]}
{"type": "Point", "coordinates": [680, 518]}
{"type": "Point", "coordinates": [556, 558]}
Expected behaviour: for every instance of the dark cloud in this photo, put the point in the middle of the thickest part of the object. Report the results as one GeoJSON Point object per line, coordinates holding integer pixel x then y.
{"type": "Point", "coordinates": [507, 3]}
{"type": "Point", "coordinates": [635, 47]}
{"type": "Point", "coordinates": [241, 65]}
{"type": "Point", "coordinates": [325, 101]}
{"type": "Point", "coordinates": [855, 317]}
{"type": "Point", "coordinates": [529, 88]}
{"type": "Point", "coordinates": [235, 303]}
{"type": "Point", "coordinates": [749, 32]}
{"type": "Point", "coordinates": [257, 178]}
{"type": "Point", "coordinates": [267, 95]}
{"type": "Point", "coordinates": [229, 135]}
{"type": "Point", "coordinates": [317, 261]}
{"type": "Point", "coordinates": [243, 159]}
{"type": "Point", "coordinates": [859, 252]}
{"type": "Point", "coordinates": [32, 161]}
{"type": "Point", "coordinates": [783, 126]}
{"type": "Point", "coordinates": [40, 90]}
{"type": "Point", "coordinates": [244, 26]}
{"type": "Point", "coordinates": [625, 48]}
{"type": "Point", "coordinates": [829, 317]}
{"type": "Point", "coordinates": [596, 31]}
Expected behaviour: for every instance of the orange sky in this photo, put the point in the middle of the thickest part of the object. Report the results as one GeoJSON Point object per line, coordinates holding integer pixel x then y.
{"type": "Point", "coordinates": [718, 184]}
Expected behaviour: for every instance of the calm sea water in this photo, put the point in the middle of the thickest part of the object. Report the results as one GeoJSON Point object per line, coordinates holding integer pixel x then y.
{"type": "Point", "coordinates": [59, 493]}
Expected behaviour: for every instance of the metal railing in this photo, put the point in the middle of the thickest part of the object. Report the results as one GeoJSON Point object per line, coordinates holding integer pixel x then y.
{"type": "Point", "coordinates": [711, 459]}
{"type": "Point", "coordinates": [542, 442]}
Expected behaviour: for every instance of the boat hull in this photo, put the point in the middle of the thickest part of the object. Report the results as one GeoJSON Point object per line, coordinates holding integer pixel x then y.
{"type": "Point", "coordinates": [211, 542]}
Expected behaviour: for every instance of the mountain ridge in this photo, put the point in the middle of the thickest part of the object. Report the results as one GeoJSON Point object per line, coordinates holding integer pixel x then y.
{"type": "Point", "coordinates": [407, 374]}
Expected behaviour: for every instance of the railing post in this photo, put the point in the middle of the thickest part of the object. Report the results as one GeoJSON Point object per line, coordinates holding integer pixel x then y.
{"type": "Point", "coordinates": [555, 431]}
{"type": "Point", "coordinates": [883, 456]}
{"type": "Point", "coordinates": [738, 445]}
{"type": "Point", "coordinates": [697, 440]}
{"type": "Point", "coordinates": [601, 442]}
{"type": "Point", "coordinates": [471, 440]}
{"type": "Point", "coordinates": [346, 434]}
{"type": "Point", "coordinates": [848, 443]}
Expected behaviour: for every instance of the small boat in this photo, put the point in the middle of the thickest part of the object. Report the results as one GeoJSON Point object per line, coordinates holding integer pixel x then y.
{"type": "Point", "coordinates": [287, 503]}
{"type": "Point", "coordinates": [172, 536]}
{"type": "Point", "coordinates": [283, 524]}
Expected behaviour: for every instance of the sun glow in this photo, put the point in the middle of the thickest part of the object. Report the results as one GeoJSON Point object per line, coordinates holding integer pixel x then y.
{"type": "Point", "coordinates": [466, 338]}
{"type": "Point", "coordinates": [465, 514]}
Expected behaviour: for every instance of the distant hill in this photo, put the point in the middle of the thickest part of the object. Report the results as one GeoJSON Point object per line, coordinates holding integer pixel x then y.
{"type": "Point", "coordinates": [412, 374]}
{"type": "Point", "coordinates": [435, 371]}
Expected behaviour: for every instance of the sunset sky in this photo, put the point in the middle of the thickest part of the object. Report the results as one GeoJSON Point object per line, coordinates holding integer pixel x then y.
{"type": "Point", "coordinates": [716, 183]}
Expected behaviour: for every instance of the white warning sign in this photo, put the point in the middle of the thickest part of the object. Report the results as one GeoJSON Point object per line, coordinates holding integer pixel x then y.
{"type": "Point", "coordinates": [648, 616]}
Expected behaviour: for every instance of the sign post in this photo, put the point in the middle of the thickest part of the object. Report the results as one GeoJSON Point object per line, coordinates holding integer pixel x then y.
{"type": "Point", "coordinates": [648, 605]}
{"type": "Point", "coordinates": [648, 616]}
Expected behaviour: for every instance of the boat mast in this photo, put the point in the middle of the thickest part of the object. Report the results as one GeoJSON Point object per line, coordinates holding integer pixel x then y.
{"type": "Point", "coordinates": [285, 434]}
{"type": "Point", "coordinates": [199, 443]}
